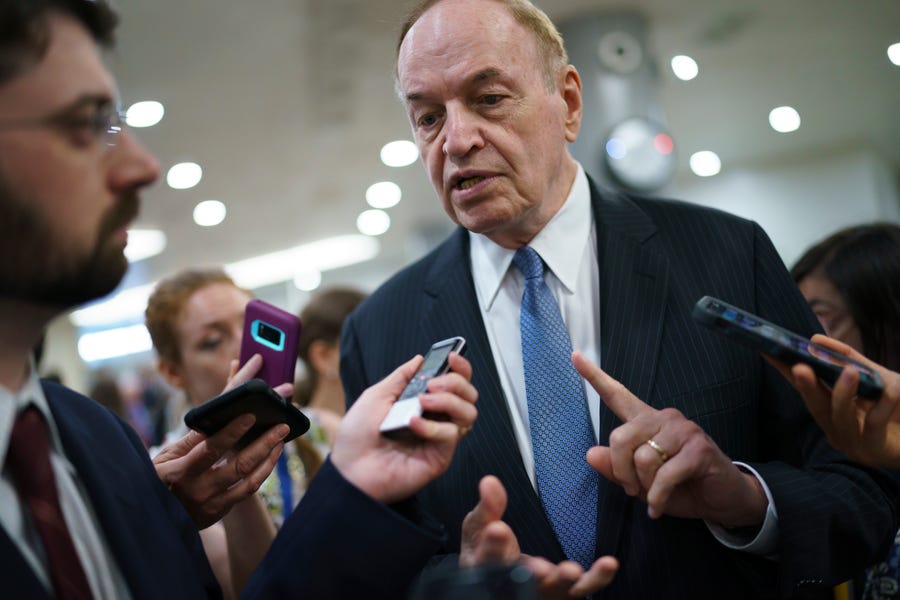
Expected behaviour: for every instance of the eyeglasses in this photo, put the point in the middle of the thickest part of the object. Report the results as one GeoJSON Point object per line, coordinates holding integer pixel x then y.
{"type": "Point", "coordinates": [102, 125]}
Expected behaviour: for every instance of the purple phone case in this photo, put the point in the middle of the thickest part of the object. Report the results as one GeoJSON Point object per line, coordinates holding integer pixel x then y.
{"type": "Point", "coordinates": [274, 334]}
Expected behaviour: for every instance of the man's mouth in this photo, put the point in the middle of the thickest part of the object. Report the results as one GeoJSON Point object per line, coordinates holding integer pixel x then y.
{"type": "Point", "coordinates": [469, 182]}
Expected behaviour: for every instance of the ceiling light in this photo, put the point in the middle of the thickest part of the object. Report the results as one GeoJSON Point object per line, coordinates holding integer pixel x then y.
{"type": "Point", "coordinates": [894, 53]}
{"type": "Point", "coordinates": [251, 273]}
{"type": "Point", "coordinates": [184, 175]}
{"type": "Point", "coordinates": [322, 255]}
{"type": "Point", "coordinates": [126, 305]}
{"type": "Point", "coordinates": [373, 222]}
{"type": "Point", "coordinates": [111, 343]}
{"type": "Point", "coordinates": [705, 163]}
{"type": "Point", "coordinates": [399, 154]}
{"type": "Point", "coordinates": [209, 213]}
{"type": "Point", "coordinates": [308, 280]}
{"type": "Point", "coordinates": [383, 194]}
{"type": "Point", "coordinates": [784, 119]}
{"type": "Point", "coordinates": [144, 114]}
{"type": "Point", "coordinates": [684, 67]}
{"type": "Point", "coordinates": [144, 243]}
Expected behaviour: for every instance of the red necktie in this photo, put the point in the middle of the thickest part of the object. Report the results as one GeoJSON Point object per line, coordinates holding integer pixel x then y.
{"type": "Point", "coordinates": [28, 460]}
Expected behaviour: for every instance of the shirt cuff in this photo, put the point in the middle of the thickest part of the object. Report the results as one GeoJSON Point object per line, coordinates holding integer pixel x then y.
{"type": "Point", "coordinates": [762, 542]}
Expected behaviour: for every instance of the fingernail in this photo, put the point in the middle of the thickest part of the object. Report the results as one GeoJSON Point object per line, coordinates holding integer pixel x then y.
{"type": "Point", "coordinates": [247, 420]}
{"type": "Point", "coordinates": [282, 431]}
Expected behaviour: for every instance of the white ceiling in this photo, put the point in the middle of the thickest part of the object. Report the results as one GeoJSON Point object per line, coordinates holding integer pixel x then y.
{"type": "Point", "coordinates": [286, 104]}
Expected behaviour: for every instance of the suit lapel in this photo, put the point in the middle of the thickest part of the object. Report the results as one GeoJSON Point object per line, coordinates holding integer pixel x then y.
{"type": "Point", "coordinates": [451, 295]}
{"type": "Point", "coordinates": [103, 479]}
{"type": "Point", "coordinates": [492, 446]}
{"type": "Point", "coordinates": [633, 288]}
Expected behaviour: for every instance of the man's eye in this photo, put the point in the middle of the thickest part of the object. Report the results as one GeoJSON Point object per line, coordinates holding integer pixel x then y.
{"type": "Point", "coordinates": [491, 99]}
{"type": "Point", "coordinates": [427, 120]}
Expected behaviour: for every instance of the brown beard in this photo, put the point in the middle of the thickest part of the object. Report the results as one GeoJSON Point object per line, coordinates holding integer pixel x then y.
{"type": "Point", "coordinates": [35, 268]}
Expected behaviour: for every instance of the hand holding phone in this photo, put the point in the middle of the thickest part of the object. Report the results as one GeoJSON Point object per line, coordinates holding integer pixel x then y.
{"type": "Point", "coordinates": [791, 348]}
{"type": "Point", "coordinates": [273, 333]}
{"type": "Point", "coordinates": [407, 405]}
{"type": "Point", "coordinates": [252, 397]}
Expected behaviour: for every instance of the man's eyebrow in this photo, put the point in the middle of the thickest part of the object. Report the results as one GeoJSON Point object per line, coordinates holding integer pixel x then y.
{"type": "Point", "coordinates": [479, 77]}
{"type": "Point", "coordinates": [485, 75]}
{"type": "Point", "coordinates": [84, 100]}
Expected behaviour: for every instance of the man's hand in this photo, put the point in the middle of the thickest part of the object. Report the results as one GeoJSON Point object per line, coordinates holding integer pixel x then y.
{"type": "Point", "coordinates": [206, 475]}
{"type": "Point", "coordinates": [683, 473]}
{"type": "Point", "coordinates": [390, 470]}
{"type": "Point", "coordinates": [866, 431]}
{"type": "Point", "coordinates": [487, 540]}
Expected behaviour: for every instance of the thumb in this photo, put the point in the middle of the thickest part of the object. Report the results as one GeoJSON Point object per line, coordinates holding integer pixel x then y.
{"type": "Point", "coordinates": [484, 536]}
{"type": "Point", "coordinates": [490, 508]}
{"type": "Point", "coordinates": [600, 459]}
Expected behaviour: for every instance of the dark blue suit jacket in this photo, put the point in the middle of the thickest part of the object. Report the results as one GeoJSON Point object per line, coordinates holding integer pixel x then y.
{"type": "Point", "coordinates": [338, 543]}
{"type": "Point", "coordinates": [150, 536]}
{"type": "Point", "coordinates": [656, 259]}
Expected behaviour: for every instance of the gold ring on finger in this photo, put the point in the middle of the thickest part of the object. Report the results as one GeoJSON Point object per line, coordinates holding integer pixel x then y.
{"type": "Point", "coordinates": [663, 455]}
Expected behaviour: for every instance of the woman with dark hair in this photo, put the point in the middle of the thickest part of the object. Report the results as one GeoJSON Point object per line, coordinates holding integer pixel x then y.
{"type": "Point", "coordinates": [851, 279]}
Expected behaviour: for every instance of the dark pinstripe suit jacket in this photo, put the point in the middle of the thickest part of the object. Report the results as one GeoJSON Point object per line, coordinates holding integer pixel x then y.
{"type": "Point", "coordinates": [657, 258]}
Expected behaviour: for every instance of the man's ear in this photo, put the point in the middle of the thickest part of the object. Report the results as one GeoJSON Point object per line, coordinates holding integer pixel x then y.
{"type": "Point", "coordinates": [571, 92]}
{"type": "Point", "coordinates": [171, 373]}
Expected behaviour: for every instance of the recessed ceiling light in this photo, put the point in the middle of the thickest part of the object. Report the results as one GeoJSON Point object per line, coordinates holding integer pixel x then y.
{"type": "Point", "coordinates": [209, 213]}
{"type": "Point", "coordinates": [705, 163]}
{"type": "Point", "coordinates": [308, 280]}
{"type": "Point", "coordinates": [144, 243]}
{"type": "Point", "coordinates": [373, 222]}
{"type": "Point", "coordinates": [144, 114]}
{"type": "Point", "coordinates": [399, 154]}
{"type": "Point", "coordinates": [684, 67]}
{"type": "Point", "coordinates": [894, 53]}
{"type": "Point", "coordinates": [184, 175]}
{"type": "Point", "coordinates": [383, 194]}
{"type": "Point", "coordinates": [784, 119]}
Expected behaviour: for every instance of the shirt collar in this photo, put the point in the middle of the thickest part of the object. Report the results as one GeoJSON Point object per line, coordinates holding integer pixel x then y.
{"type": "Point", "coordinates": [12, 403]}
{"type": "Point", "coordinates": [560, 243]}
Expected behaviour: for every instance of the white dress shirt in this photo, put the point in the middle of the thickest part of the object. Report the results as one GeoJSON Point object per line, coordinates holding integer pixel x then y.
{"type": "Point", "coordinates": [103, 574]}
{"type": "Point", "coordinates": [568, 246]}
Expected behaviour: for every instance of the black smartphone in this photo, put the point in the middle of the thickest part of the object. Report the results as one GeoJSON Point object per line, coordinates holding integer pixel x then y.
{"type": "Point", "coordinates": [791, 348]}
{"type": "Point", "coordinates": [437, 362]}
{"type": "Point", "coordinates": [273, 333]}
{"type": "Point", "coordinates": [256, 397]}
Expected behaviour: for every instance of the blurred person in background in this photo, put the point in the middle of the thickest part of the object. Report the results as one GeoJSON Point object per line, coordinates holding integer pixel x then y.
{"type": "Point", "coordinates": [195, 319]}
{"type": "Point", "coordinates": [851, 279]}
{"type": "Point", "coordinates": [320, 392]}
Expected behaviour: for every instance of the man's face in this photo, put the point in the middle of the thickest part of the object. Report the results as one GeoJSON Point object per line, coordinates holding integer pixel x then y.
{"type": "Point", "coordinates": [66, 197]}
{"type": "Point", "coordinates": [491, 134]}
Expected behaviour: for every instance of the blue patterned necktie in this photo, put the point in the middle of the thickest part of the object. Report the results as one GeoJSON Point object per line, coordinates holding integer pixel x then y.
{"type": "Point", "coordinates": [561, 431]}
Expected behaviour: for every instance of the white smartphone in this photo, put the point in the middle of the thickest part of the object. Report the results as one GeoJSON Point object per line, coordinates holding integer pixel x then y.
{"type": "Point", "coordinates": [437, 362]}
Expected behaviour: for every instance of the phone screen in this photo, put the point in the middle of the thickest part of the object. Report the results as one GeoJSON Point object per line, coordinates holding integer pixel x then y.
{"type": "Point", "coordinates": [782, 344]}
{"type": "Point", "coordinates": [435, 363]}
